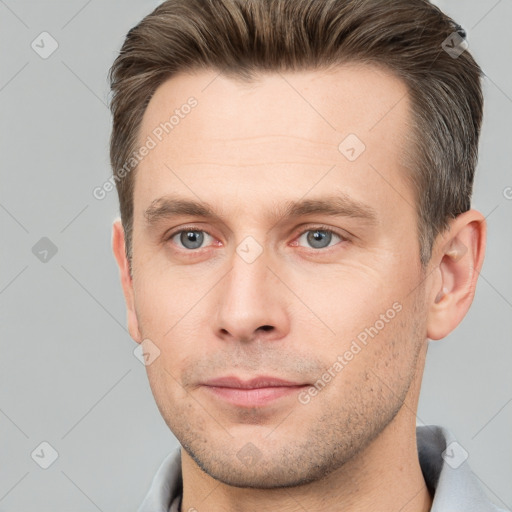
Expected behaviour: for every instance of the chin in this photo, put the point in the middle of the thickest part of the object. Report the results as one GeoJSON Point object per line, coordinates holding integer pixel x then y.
{"type": "Point", "coordinates": [284, 470]}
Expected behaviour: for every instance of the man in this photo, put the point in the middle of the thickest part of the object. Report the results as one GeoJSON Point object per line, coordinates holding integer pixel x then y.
{"type": "Point", "coordinates": [294, 180]}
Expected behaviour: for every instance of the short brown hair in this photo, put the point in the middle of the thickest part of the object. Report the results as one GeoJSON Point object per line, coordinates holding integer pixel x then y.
{"type": "Point", "coordinates": [242, 37]}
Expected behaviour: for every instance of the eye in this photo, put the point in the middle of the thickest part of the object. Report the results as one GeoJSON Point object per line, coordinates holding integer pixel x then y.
{"type": "Point", "coordinates": [320, 237]}
{"type": "Point", "coordinates": [190, 239]}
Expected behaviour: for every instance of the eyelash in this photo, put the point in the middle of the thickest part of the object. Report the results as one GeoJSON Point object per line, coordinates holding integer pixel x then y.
{"type": "Point", "coordinates": [311, 228]}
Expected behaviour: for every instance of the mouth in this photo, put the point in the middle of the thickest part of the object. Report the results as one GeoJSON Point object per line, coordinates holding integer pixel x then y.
{"type": "Point", "coordinates": [256, 392]}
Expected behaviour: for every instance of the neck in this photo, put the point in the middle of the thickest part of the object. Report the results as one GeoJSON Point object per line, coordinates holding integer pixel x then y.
{"type": "Point", "coordinates": [385, 476]}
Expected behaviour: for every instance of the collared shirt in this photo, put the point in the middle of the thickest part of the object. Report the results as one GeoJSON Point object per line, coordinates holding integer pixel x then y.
{"type": "Point", "coordinates": [443, 462]}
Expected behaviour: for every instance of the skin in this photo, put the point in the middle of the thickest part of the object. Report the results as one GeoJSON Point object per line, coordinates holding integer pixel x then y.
{"type": "Point", "coordinates": [245, 149]}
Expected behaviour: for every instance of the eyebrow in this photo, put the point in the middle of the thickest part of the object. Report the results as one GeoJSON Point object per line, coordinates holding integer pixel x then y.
{"type": "Point", "coordinates": [340, 205]}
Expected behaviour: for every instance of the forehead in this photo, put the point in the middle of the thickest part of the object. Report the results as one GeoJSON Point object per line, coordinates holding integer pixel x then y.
{"type": "Point", "coordinates": [349, 98]}
{"type": "Point", "coordinates": [283, 129]}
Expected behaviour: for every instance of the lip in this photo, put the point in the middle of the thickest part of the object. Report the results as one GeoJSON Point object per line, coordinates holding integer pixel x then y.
{"type": "Point", "coordinates": [256, 392]}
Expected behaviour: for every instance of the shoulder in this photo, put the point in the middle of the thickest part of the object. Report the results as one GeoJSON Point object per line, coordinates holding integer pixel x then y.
{"type": "Point", "coordinates": [451, 481]}
{"type": "Point", "coordinates": [166, 485]}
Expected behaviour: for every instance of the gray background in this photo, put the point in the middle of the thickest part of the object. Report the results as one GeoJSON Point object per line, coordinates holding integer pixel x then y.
{"type": "Point", "coordinates": [68, 373]}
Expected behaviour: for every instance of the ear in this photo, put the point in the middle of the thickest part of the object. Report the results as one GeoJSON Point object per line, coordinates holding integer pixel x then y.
{"type": "Point", "coordinates": [119, 248]}
{"type": "Point", "coordinates": [459, 255]}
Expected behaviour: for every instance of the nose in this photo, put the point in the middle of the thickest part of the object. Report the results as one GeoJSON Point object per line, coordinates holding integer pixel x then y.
{"type": "Point", "coordinates": [253, 302]}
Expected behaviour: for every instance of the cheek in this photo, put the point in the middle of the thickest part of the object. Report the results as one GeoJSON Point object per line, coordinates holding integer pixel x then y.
{"type": "Point", "coordinates": [170, 398]}
{"type": "Point", "coordinates": [163, 301]}
{"type": "Point", "coordinates": [378, 327]}
{"type": "Point", "coordinates": [345, 302]}
{"type": "Point", "coordinates": [374, 368]}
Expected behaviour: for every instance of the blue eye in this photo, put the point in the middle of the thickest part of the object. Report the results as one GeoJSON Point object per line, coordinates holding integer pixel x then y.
{"type": "Point", "coordinates": [191, 238]}
{"type": "Point", "coordinates": [319, 238]}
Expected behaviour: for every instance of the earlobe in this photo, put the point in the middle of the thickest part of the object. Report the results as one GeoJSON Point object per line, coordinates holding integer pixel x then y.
{"type": "Point", "coordinates": [459, 253]}
{"type": "Point", "coordinates": [118, 247]}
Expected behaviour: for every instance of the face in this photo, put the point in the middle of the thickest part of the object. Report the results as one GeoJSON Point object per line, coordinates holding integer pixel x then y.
{"type": "Point", "coordinates": [286, 308]}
